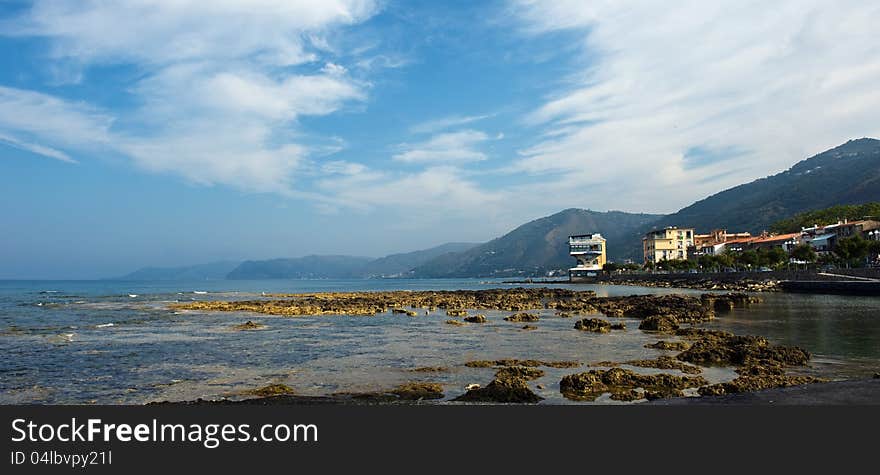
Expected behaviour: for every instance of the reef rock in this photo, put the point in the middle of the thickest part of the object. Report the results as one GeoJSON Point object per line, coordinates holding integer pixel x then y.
{"type": "Point", "coordinates": [621, 382]}
{"type": "Point", "coordinates": [505, 390]}
{"type": "Point", "coordinates": [595, 325]}
{"type": "Point", "coordinates": [476, 319]}
{"type": "Point", "coordinates": [248, 325]}
{"type": "Point", "coordinates": [669, 345]}
{"type": "Point", "coordinates": [522, 317]}
{"type": "Point", "coordinates": [659, 323]}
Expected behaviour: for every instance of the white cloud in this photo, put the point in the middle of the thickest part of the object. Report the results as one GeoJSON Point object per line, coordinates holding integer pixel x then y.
{"type": "Point", "coordinates": [435, 193]}
{"type": "Point", "coordinates": [36, 148]}
{"type": "Point", "coordinates": [450, 147]}
{"type": "Point", "coordinates": [777, 82]}
{"type": "Point", "coordinates": [45, 125]}
{"type": "Point", "coordinates": [172, 31]}
{"type": "Point", "coordinates": [444, 123]}
{"type": "Point", "coordinates": [218, 99]}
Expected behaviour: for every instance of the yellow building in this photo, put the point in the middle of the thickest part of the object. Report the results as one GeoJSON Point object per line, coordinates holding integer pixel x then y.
{"type": "Point", "coordinates": [589, 251]}
{"type": "Point", "coordinates": [670, 243]}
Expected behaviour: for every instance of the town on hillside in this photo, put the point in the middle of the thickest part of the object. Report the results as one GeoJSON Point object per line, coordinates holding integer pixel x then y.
{"type": "Point", "coordinates": [845, 243]}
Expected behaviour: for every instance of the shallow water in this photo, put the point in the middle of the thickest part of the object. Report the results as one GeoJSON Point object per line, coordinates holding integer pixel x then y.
{"type": "Point", "coordinates": [118, 342]}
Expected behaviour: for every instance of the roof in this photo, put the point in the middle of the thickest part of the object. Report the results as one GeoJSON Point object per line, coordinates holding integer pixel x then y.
{"type": "Point", "coordinates": [778, 237]}
{"type": "Point", "coordinates": [822, 237]}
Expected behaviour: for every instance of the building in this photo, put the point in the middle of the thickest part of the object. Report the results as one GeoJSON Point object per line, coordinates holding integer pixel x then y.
{"type": "Point", "coordinates": [786, 241]}
{"type": "Point", "coordinates": [824, 238]}
{"type": "Point", "coordinates": [589, 251]}
{"type": "Point", "coordinates": [667, 244]}
{"type": "Point", "coordinates": [714, 243]}
{"type": "Point", "coordinates": [717, 236]}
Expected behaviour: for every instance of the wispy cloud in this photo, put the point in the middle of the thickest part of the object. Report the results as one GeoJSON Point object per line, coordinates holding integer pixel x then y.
{"type": "Point", "coordinates": [450, 147]}
{"type": "Point", "coordinates": [48, 126]}
{"type": "Point", "coordinates": [445, 123]}
{"type": "Point", "coordinates": [36, 148]}
{"type": "Point", "coordinates": [220, 95]}
{"type": "Point", "coordinates": [658, 81]}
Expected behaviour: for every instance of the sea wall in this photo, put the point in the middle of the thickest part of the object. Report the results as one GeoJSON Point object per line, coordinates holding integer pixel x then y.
{"type": "Point", "coordinates": [780, 275]}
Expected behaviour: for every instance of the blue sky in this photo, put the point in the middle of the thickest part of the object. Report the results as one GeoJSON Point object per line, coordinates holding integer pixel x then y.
{"type": "Point", "coordinates": [173, 132]}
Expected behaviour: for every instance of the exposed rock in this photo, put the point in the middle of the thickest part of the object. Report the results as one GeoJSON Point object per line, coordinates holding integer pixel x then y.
{"type": "Point", "coordinates": [248, 325]}
{"type": "Point", "coordinates": [529, 327]}
{"type": "Point", "coordinates": [455, 322]}
{"type": "Point", "coordinates": [515, 362]}
{"type": "Point", "coordinates": [618, 326]}
{"type": "Point", "coordinates": [476, 319]}
{"type": "Point", "coordinates": [430, 369]}
{"type": "Point", "coordinates": [563, 314]}
{"type": "Point", "coordinates": [659, 323]}
{"type": "Point", "coordinates": [456, 313]}
{"type": "Point", "coordinates": [669, 345]}
{"type": "Point", "coordinates": [418, 390]}
{"type": "Point", "coordinates": [723, 348]}
{"type": "Point", "coordinates": [621, 382]}
{"type": "Point", "coordinates": [756, 383]}
{"type": "Point", "coordinates": [370, 303]}
{"type": "Point", "coordinates": [505, 390]}
{"type": "Point", "coordinates": [523, 372]}
{"type": "Point", "coordinates": [666, 362]}
{"type": "Point", "coordinates": [271, 390]}
{"type": "Point", "coordinates": [595, 325]}
{"type": "Point", "coordinates": [522, 317]}
{"type": "Point", "coordinates": [671, 281]}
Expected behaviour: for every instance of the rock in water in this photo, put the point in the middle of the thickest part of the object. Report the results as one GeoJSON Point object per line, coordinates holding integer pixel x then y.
{"type": "Point", "coordinates": [595, 325]}
{"type": "Point", "coordinates": [507, 389]}
{"type": "Point", "coordinates": [476, 319]}
{"type": "Point", "coordinates": [522, 317]}
{"type": "Point", "coordinates": [659, 323]}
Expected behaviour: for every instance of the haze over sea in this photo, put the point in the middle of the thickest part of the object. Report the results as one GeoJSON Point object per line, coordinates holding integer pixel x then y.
{"type": "Point", "coordinates": [119, 342]}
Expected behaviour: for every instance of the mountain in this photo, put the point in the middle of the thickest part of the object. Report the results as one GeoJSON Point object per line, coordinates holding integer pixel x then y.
{"type": "Point", "coordinates": [536, 247]}
{"type": "Point", "coordinates": [827, 216]}
{"type": "Point", "coordinates": [341, 267]}
{"type": "Point", "coordinates": [308, 267]}
{"type": "Point", "coordinates": [212, 271]}
{"type": "Point", "coordinates": [397, 265]}
{"type": "Point", "coordinates": [847, 174]}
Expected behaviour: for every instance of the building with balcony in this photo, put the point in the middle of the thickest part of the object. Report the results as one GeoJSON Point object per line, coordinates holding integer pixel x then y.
{"type": "Point", "coordinates": [667, 244]}
{"type": "Point", "coordinates": [589, 251]}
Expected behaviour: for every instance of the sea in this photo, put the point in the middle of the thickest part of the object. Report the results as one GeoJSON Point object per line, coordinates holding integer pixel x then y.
{"type": "Point", "coordinates": [120, 342]}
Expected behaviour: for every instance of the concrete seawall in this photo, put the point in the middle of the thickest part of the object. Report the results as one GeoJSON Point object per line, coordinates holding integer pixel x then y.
{"type": "Point", "coordinates": [783, 275]}
{"type": "Point", "coordinates": [849, 287]}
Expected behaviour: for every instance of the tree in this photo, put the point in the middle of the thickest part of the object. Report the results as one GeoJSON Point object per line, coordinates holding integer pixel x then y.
{"type": "Point", "coordinates": [724, 260]}
{"type": "Point", "coordinates": [772, 256]}
{"type": "Point", "coordinates": [825, 216]}
{"type": "Point", "coordinates": [852, 249]}
{"type": "Point", "coordinates": [610, 267]}
{"type": "Point", "coordinates": [804, 253]}
{"type": "Point", "coordinates": [747, 259]}
{"type": "Point", "coordinates": [708, 262]}
{"type": "Point", "coordinates": [874, 249]}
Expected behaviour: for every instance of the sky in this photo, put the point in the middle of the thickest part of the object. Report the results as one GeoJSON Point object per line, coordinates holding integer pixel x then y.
{"type": "Point", "coordinates": [174, 132]}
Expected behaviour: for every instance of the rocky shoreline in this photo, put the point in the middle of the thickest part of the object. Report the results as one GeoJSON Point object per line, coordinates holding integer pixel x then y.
{"type": "Point", "coordinates": [758, 364]}
{"type": "Point", "coordinates": [744, 285]}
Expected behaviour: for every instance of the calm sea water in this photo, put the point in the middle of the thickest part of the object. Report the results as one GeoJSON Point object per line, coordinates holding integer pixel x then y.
{"type": "Point", "coordinates": [117, 342]}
